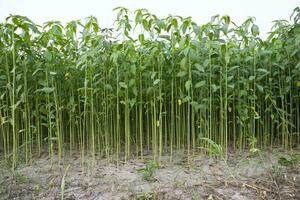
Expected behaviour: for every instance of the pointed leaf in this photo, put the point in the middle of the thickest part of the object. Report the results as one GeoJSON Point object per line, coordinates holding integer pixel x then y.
{"type": "Point", "coordinates": [200, 84]}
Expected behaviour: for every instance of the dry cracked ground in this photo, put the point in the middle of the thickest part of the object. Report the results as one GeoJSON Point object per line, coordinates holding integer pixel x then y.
{"type": "Point", "coordinates": [264, 175]}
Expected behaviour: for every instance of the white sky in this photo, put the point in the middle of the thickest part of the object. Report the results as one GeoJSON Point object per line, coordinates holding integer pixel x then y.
{"type": "Point", "coordinates": [265, 11]}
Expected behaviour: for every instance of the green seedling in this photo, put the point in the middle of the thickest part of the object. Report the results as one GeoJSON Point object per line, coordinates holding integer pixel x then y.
{"type": "Point", "coordinates": [149, 170]}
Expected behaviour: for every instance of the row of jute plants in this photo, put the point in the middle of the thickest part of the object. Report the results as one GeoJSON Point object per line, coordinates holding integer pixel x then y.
{"type": "Point", "coordinates": [147, 85]}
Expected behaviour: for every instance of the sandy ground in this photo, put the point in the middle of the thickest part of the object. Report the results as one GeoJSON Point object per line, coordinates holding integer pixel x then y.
{"type": "Point", "coordinates": [243, 176]}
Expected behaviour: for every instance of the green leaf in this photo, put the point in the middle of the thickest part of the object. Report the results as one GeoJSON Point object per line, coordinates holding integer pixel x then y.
{"type": "Point", "coordinates": [251, 78]}
{"type": "Point", "coordinates": [197, 106]}
{"type": "Point", "coordinates": [174, 23]}
{"type": "Point", "coordinates": [223, 49]}
{"type": "Point", "coordinates": [114, 57]}
{"type": "Point", "coordinates": [156, 81]}
{"type": "Point", "coordinates": [153, 75]}
{"type": "Point", "coordinates": [184, 26]}
{"type": "Point", "coordinates": [2, 77]}
{"type": "Point", "coordinates": [36, 71]}
{"type": "Point", "coordinates": [123, 85]}
{"type": "Point", "coordinates": [141, 38]}
{"type": "Point", "coordinates": [230, 78]}
{"type": "Point", "coordinates": [186, 51]}
{"type": "Point", "coordinates": [255, 30]}
{"type": "Point", "coordinates": [188, 84]}
{"type": "Point", "coordinates": [108, 87]}
{"type": "Point", "coordinates": [233, 68]}
{"type": "Point", "coordinates": [132, 102]}
{"type": "Point", "coordinates": [214, 87]}
{"type": "Point", "coordinates": [231, 86]}
{"type": "Point", "coordinates": [183, 63]}
{"type": "Point", "coordinates": [263, 70]}
{"type": "Point", "coordinates": [138, 17]}
{"type": "Point", "coordinates": [181, 74]}
{"type": "Point", "coordinates": [16, 104]}
{"type": "Point", "coordinates": [199, 67]}
{"type": "Point", "coordinates": [131, 82]}
{"type": "Point", "coordinates": [48, 56]}
{"type": "Point", "coordinates": [134, 90]}
{"type": "Point", "coordinates": [200, 84]}
{"type": "Point", "coordinates": [260, 88]}
{"type": "Point", "coordinates": [145, 24]}
{"type": "Point", "coordinates": [47, 90]}
{"type": "Point", "coordinates": [243, 93]}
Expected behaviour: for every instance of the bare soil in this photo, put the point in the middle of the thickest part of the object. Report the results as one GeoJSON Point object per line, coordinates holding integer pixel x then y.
{"type": "Point", "coordinates": [244, 176]}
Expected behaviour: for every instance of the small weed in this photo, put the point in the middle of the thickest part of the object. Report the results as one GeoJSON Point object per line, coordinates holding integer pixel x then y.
{"type": "Point", "coordinates": [145, 196]}
{"type": "Point", "coordinates": [148, 171]}
{"type": "Point", "coordinates": [51, 183]}
{"type": "Point", "coordinates": [216, 150]}
{"type": "Point", "coordinates": [195, 195]}
{"type": "Point", "coordinates": [213, 148]}
{"type": "Point", "coordinates": [19, 178]}
{"type": "Point", "coordinates": [289, 161]}
{"type": "Point", "coordinates": [252, 141]}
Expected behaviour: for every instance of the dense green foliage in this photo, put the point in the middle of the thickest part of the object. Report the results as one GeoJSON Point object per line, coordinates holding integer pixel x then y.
{"type": "Point", "coordinates": [147, 85]}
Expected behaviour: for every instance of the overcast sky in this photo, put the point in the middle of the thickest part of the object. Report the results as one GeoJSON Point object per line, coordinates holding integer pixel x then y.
{"type": "Point", "coordinates": [265, 11]}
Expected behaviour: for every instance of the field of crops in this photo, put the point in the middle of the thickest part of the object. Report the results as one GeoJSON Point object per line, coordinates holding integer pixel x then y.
{"type": "Point", "coordinates": [152, 108]}
{"type": "Point", "coordinates": [147, 86]}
